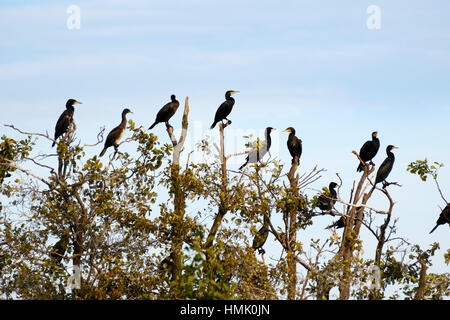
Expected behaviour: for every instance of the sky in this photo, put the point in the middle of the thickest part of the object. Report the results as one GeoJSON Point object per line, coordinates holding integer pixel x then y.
{"type": "Point", "coordinates": [312, 65]}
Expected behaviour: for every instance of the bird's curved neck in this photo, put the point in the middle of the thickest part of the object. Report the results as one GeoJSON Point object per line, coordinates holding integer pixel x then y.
{"type": "Point", "coordinates": [268, 139]}
{"type": "Point", "coordinates": [124, 120]}
{"type": "Point", "coordinates": [228, 97]}
{"type": "Point", "coordinates": [70, 107]}
{"type": "Point", "coordinates": [390, 154]}
{"type": "Point", "coordinates": [266, 221]}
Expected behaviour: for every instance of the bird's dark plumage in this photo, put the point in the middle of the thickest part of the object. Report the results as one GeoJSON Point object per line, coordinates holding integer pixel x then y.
{"type": "Point", "coordinates": [261, 237]}
{"type": "Point", "coordinates": [386, 166]}
{"type": "Point", "coordinates": [116, 134]}
{"type": "Point", "coordinates": [166, 265]}
{"type": "Point", "coordinates": [343, 221]}
{"type": "Point", "coordinates": [59, 249]}
{"type": "Point", "coordinates": [326, 202]}
{"type": "Point", "coordinates": [294, 145]}
{"type": "Point", "coordinates": [65, 119]}
{"type": "Point", "coordinates": [166, 112]}
{"type": "Point", "coordinates": [444, 217]}
{"type": "Point", "coordinates": [368, 150]}
{"type": "Point", "coordinates": [225, 108]}
{"type": "Point", "coordinates": [257, 154]}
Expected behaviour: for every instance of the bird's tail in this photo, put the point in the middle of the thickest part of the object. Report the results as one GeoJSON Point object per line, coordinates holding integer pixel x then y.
{"type": "Point", "coordinates": [360, 167]}
{"type": "Point", "coordinates": [103, 152]}
{"type": "Point", "coordinates": [242, 167]}
{"type": "Point", "coordinates": [437, 225]}
{"type": "Point", "coordinates": [151, 127]}
{"type": "Point", "coordinates": [373, 188]}
{"type": "Point", "coordinates": [213, 125]}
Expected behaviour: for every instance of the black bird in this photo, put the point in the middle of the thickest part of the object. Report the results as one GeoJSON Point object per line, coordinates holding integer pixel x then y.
{"type": "Point", "coordinates": [59, 249]}
{"type": "Point", "coordinates": [114, 136]}
{"type": "Point", "coordinates": [444, 217]}
{"type": "Point", "coordinates": [225, 108]}
{"type": "Point", "coordinates": [260, 238]}
{"type": "Point", "coordinates": [294, 145]}
{"type": "Point", "coordinates": [386, 166]}
{"type": "Point", "coordinates": [166, 112]}
{"type": "Point", "coordinates": [65, 119]}
{"type": "Point", "coordinates": [343, 221]}
{"type": "Point", "coordinates": [326, 202]}
{"type": "Point", "coordinates": [369, 150]}
{"type": "Point", "coordinates": [257, 154]}
{"type": "Point", "coordinates": [166, 265]}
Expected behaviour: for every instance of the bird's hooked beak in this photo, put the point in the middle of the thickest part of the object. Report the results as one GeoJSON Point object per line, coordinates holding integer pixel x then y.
{"type": "Point", "coordinates": [233, 92]}
{"type": "Point", "coordinates": [287, 130]}
{"type": "Point", "coordinates": [77, 102]}
{"type": "Point", "coordinates": [394, 147]}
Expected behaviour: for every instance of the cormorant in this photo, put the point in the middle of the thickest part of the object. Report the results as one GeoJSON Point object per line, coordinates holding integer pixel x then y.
{"type": "Point", "coordinates": [65, 119]}
{"type": "Point", "coordinates": [166, 112]}
{"type": "Point", "coordinates": [260, 238]}
{"type": "Point", "coordinates": [114, 136]}
{"type": "Point", "coordinates": [444, 217]}
{"type": "Point", "coordinates": [294, 145]}
{"type": "Point", "coordinates": [59, 249]}
{"type": "Point", "coordinates": [368, 151]}
{"type": "Point", "coordinates": [166, 265]}
{"type": "Point", "coordinates": [343, 220]}
{"type": "Point", "coordinates": [257, 154]}
{"type": "Point", "coordinates": [225, 108]}
{"type": "Point", "coordinates": [386, 166]}
{"type": "Point", "coordinates": [326, 202]}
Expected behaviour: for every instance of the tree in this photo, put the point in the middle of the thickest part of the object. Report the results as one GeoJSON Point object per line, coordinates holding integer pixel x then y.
{"type": "Point", "coordinates": [146, 225]}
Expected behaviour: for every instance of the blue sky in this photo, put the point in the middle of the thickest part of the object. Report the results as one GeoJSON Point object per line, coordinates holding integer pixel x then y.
{"type": "Point", "coordinates": [313, 65]}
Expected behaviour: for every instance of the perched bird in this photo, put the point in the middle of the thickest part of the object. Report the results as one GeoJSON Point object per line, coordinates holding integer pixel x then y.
{"type": "Point", "coordinates": [59, 249]}
{"type": "Point", "coordinates": [326, 202]}
{"type": "Point", "coordinates": [294, 145]}
{"type": "Point", "coordinates": [114, 136]}
{"type": "Point", "coordinates": [225, 108]}
{"type": "Point", "coordinates": [260, 238]}
{"type": "Point", "coordinates": [386, 166]}
{"type": "Point", "coordinates": [257, 154]}
{"type": "Point", "coordinates": [65, 119]}
{"type": "Point", "coordinates": [166, 265]}
{"type": "Point", "coordinates": [444, 217]}
{"type": "Point", "coordinates": [343, 221]}
{"type": "Point", "coordinates": [166, 112]}
{"type": "Point", "coordinates": [369, 150]}
{"type": "Point", "coordinates": [338, 224]}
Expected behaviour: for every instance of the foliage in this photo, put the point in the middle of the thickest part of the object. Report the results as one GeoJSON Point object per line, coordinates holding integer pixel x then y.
{"type": "Point", "coordinates": [127, 219]}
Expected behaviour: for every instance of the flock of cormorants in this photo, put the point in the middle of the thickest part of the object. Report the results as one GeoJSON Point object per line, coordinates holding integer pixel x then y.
{"type": "Point", "coordinates": [325, 201]}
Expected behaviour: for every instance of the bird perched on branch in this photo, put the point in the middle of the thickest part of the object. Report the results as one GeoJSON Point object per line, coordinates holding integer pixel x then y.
{"type": "Point", "coordinates": [167, 264]}
{"type": "Point", "coordinates": [294, 145]}
{"type": "Point", "coordinates": [166, 112]}
{"type": "Point", "coordinates": [261, 149]}
{"type": "Point", "coordinates": [326, 202]}
{"type": "Point", "coordinates": [369, 150]}
{"type": "Point", "coordinates": [261, 236]}
{"type": "Point", "coordinates": [444, 217]}
{"type": "Point", "coordinates": [65, 119]}
{"type": "Point", "coordinates": [59, 249]}
{"type": "Point", "coordinates": [386, 166]}
{"type": "Point", "coordinates": [116, 134]}
{"type": "Point", "coordinates": [225, 108]}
